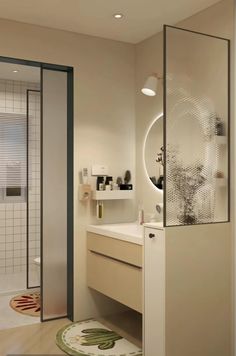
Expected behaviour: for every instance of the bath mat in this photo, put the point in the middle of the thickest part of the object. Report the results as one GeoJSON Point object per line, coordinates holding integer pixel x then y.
{"type": "Point", "coordinates": [28, 303]}
{"type": "Point", "coordinates": [91, 338]}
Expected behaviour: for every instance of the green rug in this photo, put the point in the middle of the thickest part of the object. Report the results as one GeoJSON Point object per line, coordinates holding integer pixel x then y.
{"type": "Point", "coordinates": [91, 338]}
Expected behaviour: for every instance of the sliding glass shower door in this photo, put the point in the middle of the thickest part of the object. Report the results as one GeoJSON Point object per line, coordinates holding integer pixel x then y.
{"type": "Point", "coordinates": [56, 178]}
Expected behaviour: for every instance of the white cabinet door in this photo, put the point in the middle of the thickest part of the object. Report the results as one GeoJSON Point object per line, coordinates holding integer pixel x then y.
{"type": "Point", "coordinates": [154, 292]}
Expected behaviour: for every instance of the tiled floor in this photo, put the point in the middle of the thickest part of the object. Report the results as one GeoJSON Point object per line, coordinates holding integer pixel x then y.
{"type": "Point", "coordinates": [12, 282]}
{"type": "Point", "coordinates": [9, 318]}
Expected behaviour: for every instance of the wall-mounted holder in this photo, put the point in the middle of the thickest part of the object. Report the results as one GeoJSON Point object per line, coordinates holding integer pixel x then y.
{"type": "Point", "coordinates": [85, 192]}
{"type": "Point", "coordinates": [112, 194]}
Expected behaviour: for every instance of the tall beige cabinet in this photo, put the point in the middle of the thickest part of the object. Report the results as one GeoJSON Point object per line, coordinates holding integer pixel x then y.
{"type": "Point", "coordinates": [188, 292]}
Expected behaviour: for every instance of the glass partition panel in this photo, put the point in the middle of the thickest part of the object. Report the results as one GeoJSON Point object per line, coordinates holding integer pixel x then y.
{"type": "Point", "coordinates": [33, 178]}
{"type": "Point", "coordinates": [54, 194]}
{"type": "Point", "coordinates": [196, 111]}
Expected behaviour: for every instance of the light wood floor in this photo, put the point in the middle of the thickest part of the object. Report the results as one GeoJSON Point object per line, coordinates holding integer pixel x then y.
{"type": "Point", "coordinates": [40, 338]}
{"type": "Point", "coordinates": [32, 339]}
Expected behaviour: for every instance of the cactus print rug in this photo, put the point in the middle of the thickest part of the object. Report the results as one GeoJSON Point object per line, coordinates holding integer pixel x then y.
{"type": "Point", "coordinates": [28, 303]}
{"type": "Point", "coordinates": [91, 338]}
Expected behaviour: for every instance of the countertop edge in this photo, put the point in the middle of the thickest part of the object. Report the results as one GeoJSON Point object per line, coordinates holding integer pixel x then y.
{"type": "Point", "coordinates": [116, 235]}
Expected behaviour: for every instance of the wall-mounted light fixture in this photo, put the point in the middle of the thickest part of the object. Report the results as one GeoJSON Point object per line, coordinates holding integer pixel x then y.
{"type": "Point", "coordinates": [150, 86]}
{"type": "Point", "coordinates": [118, 16]}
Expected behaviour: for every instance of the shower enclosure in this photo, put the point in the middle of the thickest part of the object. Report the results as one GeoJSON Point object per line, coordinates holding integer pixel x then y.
{"type": "Point", "coordinates": [36, 183]}
{"type": "Point", "coordinates": [19, 177]}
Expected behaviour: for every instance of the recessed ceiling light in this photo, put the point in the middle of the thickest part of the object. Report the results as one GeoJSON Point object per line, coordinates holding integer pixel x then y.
{"type": "Point", "coordinates": [118, 16]}
{"type": "Point", "coordinates": [15, 71]}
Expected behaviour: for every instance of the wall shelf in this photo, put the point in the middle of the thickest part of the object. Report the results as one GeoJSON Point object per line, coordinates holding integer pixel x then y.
{"type": "Point", "coordinates": [112, 194]}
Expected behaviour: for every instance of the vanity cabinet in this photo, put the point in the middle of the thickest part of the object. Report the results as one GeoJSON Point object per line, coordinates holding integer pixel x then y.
{"type": "Point", "coordinates": [114, 268]}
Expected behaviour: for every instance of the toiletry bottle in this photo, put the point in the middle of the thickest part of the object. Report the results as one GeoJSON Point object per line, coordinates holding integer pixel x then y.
{"type": "Point", "coordinates": [85, 175]}
{"type": "Point", "coordinates": [100, 183]}
{"type": "Point", "coordinates": [140, 216]}
{"type": "Point", "coordinates": [107, 187]}
{"type": "Point", "coordinates": [99, 209]}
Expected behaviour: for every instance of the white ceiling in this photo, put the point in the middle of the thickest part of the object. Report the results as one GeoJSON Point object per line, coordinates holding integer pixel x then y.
{"type": "Point", "coordinates": [143, 18]}
{"type": "Point", "coordinates": [25, 73]}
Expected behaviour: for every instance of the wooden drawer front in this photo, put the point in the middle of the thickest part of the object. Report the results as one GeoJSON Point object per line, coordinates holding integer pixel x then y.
{"type": "Point", "coordinates": [120, 250]}
{"type": "Point", "coordinates": [117, 280]}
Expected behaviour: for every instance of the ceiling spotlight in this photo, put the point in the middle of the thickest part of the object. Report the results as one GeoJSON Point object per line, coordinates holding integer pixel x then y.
{"type": "Point", "coordinates": [15, 71]}
{"type": "Point", "coordinates": [118, 16]}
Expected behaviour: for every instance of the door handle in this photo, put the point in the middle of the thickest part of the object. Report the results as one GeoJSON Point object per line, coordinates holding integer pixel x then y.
{"type": "Point", "coordinates": [151, 235]}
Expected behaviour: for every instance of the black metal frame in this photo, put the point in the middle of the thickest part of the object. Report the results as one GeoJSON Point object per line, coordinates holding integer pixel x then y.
{"type": "Point", "coordinates": [70, 172]}
{"type": "Point", "coordinates": [165, 27]}
{"type": "Point", "coordinates": [27, 185]}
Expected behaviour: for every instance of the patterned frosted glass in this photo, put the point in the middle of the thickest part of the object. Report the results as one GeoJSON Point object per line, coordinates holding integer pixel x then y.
{"type": "Point", "coordinates": [54, 197]}
{"type": "Point", "coordinates": [196, 133]}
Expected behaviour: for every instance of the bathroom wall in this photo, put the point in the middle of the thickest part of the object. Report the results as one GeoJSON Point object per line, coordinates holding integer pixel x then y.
{"type": "Point", "coordinates": [216, 20]}
{"type": "Point", "coordinates": [13, 214]}
{"type": "Point", "coordinates": [104, 134]}
{"type": "Point", "coordinates": [104, 122]}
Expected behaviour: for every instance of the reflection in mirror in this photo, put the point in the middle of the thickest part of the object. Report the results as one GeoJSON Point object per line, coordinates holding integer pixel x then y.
{"type": "Point", "coordinates": [153, 153]}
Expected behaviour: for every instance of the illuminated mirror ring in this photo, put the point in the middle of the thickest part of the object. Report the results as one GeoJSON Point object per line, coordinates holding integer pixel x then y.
{"type": "Point", "coordinates": [153, 141]}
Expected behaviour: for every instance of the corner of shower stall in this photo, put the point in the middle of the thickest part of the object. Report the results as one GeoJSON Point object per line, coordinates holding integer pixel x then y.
{"type": "Point", "coordinates": [31, 175]}
{"type": "Point", "coordinates": [19, 181]}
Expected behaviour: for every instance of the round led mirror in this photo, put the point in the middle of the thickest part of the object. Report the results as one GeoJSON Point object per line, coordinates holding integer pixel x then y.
{"type": "Point", "coordinates": [153, 153]}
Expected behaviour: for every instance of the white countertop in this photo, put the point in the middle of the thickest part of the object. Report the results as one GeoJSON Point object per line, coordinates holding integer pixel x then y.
{"type": "Point", "coordinates": [154, 225]}
{"type": "Point", "coordinates": [130, 232]}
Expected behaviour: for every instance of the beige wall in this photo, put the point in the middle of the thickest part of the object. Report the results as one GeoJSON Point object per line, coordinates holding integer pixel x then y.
{"type": "Point", "coordinates": [104, 120]}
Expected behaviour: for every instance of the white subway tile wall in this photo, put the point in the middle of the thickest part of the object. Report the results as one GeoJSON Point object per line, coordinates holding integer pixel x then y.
{"type": "Point", "coordinates": [13, 215]}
